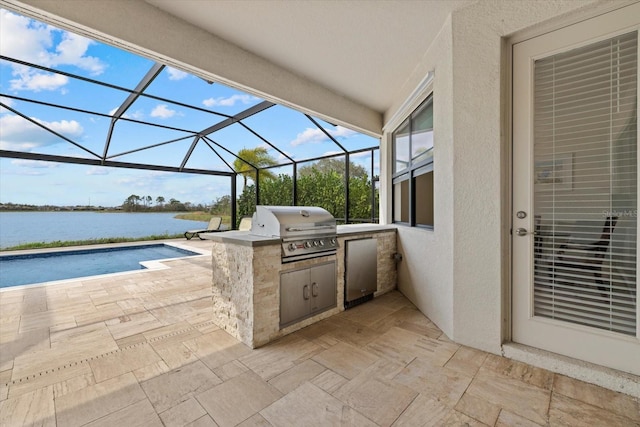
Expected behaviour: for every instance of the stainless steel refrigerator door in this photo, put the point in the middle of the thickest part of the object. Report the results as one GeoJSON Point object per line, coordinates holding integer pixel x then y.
{"type": "Point", "coordinates": [361, 268]}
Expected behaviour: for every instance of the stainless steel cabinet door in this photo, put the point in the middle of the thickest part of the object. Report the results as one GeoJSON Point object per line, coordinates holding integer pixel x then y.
{"type": "Point", "coordinates": [323, 287]}
{"type": "Point", "coordinates": [295, 296]}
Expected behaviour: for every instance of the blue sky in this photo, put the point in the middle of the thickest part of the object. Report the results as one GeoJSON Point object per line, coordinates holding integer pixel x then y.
{"type": "Point", "coordinates": [37, 182]}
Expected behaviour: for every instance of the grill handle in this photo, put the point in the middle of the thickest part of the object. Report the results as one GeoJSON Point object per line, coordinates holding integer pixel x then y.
{"type": "Point", "coordinates": [320, 227]}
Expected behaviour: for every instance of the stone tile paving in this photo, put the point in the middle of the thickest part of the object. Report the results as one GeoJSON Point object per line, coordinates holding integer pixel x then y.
{"type": "Point", "coordinates": [141, 349]}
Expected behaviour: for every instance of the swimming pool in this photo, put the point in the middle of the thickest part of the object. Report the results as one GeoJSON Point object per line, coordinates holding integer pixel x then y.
{"type": "Point", "coordinates": [16, 270]}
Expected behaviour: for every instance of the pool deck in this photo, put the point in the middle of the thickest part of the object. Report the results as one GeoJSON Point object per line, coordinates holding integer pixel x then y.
{"type": "Point", "coordinates": [140, 348]}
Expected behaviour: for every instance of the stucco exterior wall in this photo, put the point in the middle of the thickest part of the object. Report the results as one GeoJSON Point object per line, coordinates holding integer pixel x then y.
{"type": "Point", "coordinates": [463, 286]}
{"type": "Point", "coordinates": [425, 274]}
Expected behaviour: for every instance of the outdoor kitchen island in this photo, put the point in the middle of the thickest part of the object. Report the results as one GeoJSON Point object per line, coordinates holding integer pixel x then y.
{"type": "Point", "coordinates": [246, 280]}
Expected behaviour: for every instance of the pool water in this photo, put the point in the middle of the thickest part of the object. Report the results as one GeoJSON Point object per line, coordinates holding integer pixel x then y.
{"type": "Point", "coordinates": [18, 270]}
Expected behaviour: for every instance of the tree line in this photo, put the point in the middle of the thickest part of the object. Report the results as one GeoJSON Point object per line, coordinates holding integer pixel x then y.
{"type": "Point", "coordinates": [23, 207]}
{"type": "Point", "coordinates": [321, 183]}
{"type": "Point", "coordinates": [135, 203]}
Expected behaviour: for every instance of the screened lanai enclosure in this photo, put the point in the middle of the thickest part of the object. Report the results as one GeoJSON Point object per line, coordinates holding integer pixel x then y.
{"type": "Point", "coordinates": [67, 99]}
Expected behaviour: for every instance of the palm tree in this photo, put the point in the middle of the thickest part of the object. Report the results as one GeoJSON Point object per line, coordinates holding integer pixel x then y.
{"type": "Point", "coordinates": [160, 201]}
{"type": "Point", "coordinates": [250, 157]}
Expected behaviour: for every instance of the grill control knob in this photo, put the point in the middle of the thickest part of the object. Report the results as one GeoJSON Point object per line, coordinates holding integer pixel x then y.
{"type": "Point", "coordinates": [315, 243]}
{"type": "Point", "coordinates": [292, 247]}
{"type": "Point", "coordinates": [321, 243]}
{"type": "Point", "coordinates": [333, 241]}
{"type": "Point", "coordinates": [307, 244]}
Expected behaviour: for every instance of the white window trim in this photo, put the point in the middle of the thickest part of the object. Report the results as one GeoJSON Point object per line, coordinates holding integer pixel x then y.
{"type": "Point", "coordinates": [417, 97]}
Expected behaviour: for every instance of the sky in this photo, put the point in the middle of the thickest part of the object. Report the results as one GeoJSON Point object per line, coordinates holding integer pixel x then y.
{"type": "Point", "coordinates": [39, 183]}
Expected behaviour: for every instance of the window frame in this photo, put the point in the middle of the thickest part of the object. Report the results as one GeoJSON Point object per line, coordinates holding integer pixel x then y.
{"type": "Point", "coordinates": [414, 168]}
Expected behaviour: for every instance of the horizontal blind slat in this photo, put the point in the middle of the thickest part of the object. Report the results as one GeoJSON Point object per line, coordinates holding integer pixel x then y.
{"type": "Point", "coordinates": [585, 156]}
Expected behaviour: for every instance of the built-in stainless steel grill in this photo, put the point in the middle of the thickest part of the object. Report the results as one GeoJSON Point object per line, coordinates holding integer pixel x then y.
{"type": "Point", "coordinates": [305, 231]}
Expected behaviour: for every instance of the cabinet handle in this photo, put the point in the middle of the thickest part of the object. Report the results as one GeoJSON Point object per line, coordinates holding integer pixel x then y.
{"type": "Point", "coordinates": [305, 291]}
{"type": "Point", "coordinates": [314, 289]}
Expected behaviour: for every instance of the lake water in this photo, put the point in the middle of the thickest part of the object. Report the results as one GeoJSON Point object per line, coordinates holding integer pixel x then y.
{"type": "Point", "coordinates": [27, 227]}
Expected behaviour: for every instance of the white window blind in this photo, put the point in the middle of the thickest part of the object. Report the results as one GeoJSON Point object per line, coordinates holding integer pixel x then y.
{"type": "Point", "coordinates": [585, 185]}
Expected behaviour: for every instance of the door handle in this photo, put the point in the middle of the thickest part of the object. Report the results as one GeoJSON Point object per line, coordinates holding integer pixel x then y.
{"type": "Point", "coordinates": [314, 289]}
{"type": "Point", "coordinates": [305, 291]}
{"type": "Point", "coordinates": [524, 232]}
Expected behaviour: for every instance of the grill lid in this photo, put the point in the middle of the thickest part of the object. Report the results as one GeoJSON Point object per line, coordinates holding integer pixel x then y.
{"type": "Point", "coordinates": [292, 221]}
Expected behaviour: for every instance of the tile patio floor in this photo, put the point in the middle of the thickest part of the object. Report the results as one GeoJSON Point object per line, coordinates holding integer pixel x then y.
{"type": "Point", "coordinates": [140, 349]}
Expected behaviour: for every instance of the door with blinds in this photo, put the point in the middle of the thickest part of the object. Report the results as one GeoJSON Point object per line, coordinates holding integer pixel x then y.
{"type": "Point", "coordinates": [575, 191]}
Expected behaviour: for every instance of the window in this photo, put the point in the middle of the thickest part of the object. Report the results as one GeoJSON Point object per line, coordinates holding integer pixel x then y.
{"type": "Point", "coordinates": [413, 168]}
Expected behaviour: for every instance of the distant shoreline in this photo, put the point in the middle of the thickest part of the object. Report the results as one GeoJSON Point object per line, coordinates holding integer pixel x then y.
{"type": "Point", "coordinates": [4, 208]}
{"type": "Point", "coordinates": [13, 207]}
{"type": "Point", "coordinates": [87, 242]}
{"type": "Point", "coordinates": [26, 208]}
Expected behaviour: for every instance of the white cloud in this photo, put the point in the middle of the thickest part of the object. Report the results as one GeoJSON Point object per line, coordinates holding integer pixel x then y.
{"type": "Point", "coordinates": [137, 115]}
{"type": "Point", "coordinates": [72, 51]}
{"type": "Point", "coordinates": [28, 40]}
{"type": "Point", "coordinates": [69, 128]}
{"type": "Point", "coordinates": [35, 164]}
{"type": "Point", "coordinates": [331, 153]}
{"type": "Point", "coordinates": [151, 181]}
{"type": "Point", "coordinates": [230, 101]}
{"type": "Point", "coordinates": [30, 79]}
{"type": "Point", "coordinates": [315, 135]}
{"type": "Point", "coordinates": [22, 135]}
{"type": "Point", "coordinates": [32, 167]}
{"type": "Point", "coordinates": [23, 38]}
{"type": "Point", "coordinates": [6, 101]}
{"type": "Point", "coordinates": [163, 112]}
{"type": "Point", "coordinates": [98, 170]}
{"type": "Point", "coordinates": [30, 172]}
{"type": "Point", "coordinates": [165, 175]}
{"type": "Point", "coordinates": [366, 154]}
{"type": "Point", "coordinates": [175, 74]}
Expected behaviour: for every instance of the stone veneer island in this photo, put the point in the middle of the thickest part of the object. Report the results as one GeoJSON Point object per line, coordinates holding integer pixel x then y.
{"type": "Point", "coordinates": [246, 279]}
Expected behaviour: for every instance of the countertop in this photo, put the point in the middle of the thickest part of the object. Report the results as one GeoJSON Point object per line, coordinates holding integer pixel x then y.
{"type": "Point", "coordinates": [354, 229]}
{"type": "Point", "coordinates": [245, 238]}
{"type": "Point", "coordinates": [242, 238]}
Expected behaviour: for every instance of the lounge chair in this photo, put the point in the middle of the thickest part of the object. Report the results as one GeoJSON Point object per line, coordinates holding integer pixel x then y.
{"type": "Point", "coordinates": [245, 223]}
{"type": "Point", "coordinates": [214, 225]}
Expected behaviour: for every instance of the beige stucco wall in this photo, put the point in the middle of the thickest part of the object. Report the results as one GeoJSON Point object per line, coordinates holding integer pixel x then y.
{"type": "Point", "coordinates": [427, 266]}
{"type": "Point", "coordinates": [463, 286]}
